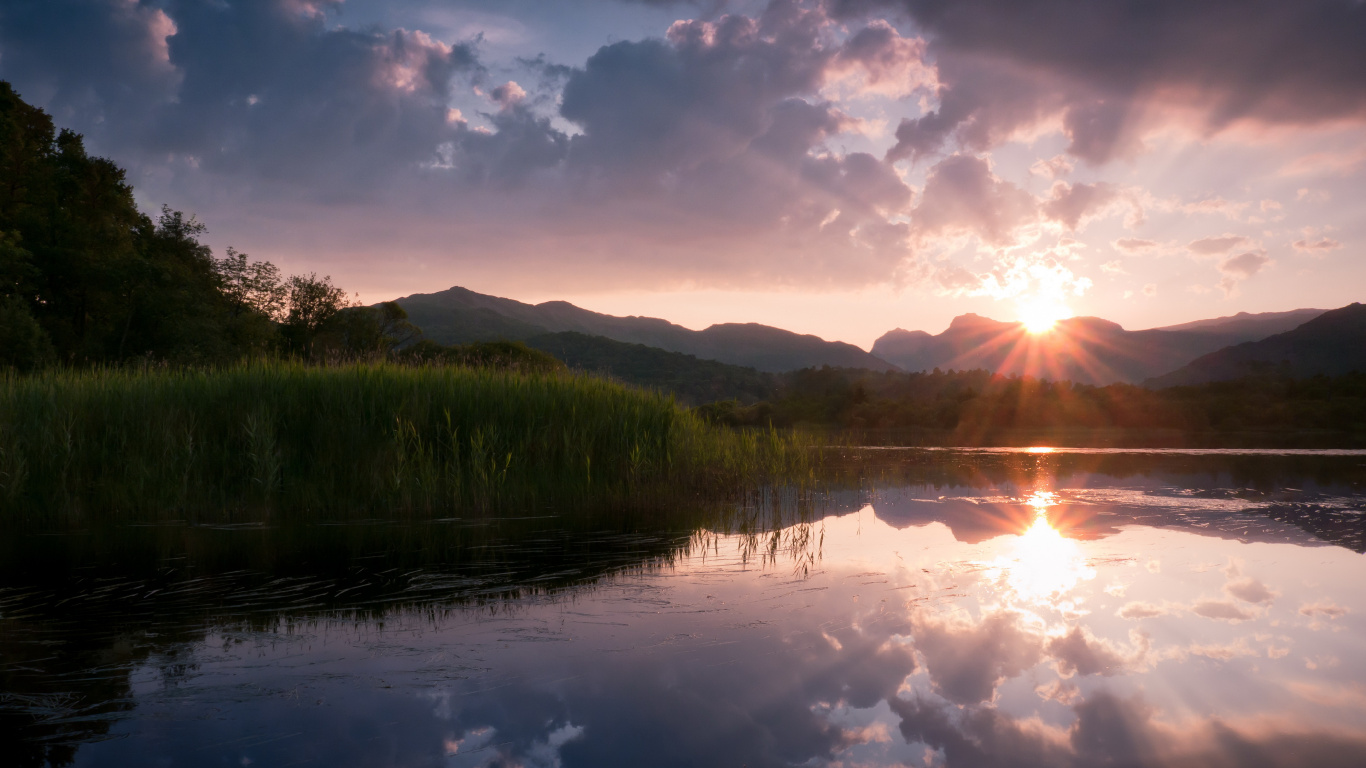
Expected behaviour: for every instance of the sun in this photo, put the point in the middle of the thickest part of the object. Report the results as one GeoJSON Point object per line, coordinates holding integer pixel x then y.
{"type": "Point", "coordinates": [1039, 316]}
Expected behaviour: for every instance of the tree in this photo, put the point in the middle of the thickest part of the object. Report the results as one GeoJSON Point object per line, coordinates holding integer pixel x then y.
{"type": "Point", "coordinates": [364, 332]}
{"type": "Point", "coordinates": [252, 286]}
{"type": "Point", "coordinates": [23, 344]}
{"type": "Point", "coordinates": [312, 302]}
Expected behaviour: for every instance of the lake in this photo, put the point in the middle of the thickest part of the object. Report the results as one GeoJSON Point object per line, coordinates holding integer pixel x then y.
{"type": "Point", "coordinates": [926, 607]}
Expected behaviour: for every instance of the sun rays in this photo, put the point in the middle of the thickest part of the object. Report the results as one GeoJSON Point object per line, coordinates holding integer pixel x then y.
{"type": "Point", "coordinates": [1041, 315]}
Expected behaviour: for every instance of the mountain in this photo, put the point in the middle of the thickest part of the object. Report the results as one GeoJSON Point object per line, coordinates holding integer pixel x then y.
{"type": "Point", "coordinates": [1087, 350]}
{"type": "Point", "coordinates": [459, 316]}
{"type": "Point", "coordinates": [1331, 344]}
{"type": "Point", "coordinates": [693, 381]}
{"type": "Point", "coordinates": [1263, 323]}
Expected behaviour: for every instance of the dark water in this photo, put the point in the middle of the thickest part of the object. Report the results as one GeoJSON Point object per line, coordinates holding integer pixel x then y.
{"type": "Point", "coordinates": [932, 608]}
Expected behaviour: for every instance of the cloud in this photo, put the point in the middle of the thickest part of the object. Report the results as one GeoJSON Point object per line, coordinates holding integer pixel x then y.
{"type": "Point", "coordinates": [1134, 245]}
{"type": "Point", "coordinates": [1241, 267]}
{"type": "Point", "coordinates": [1323, 608]}
{"type": "Point", "coordinates": [1073, 204]}
{"type": "Point", "coordinates": [883, 61]}
{"type": "Point", "coordinates": [1209, 246]}
{"type": "Point", "coordinates": [1141, 610]}
{"type": "Point", "coordinates": [704, 156]}
{"type": "Point", "coordinates": [963, 196]}
{"type": "Point", "coordinates": [1101, 70]}
{"type": "Point", "coordinates": [1316, 246]}
{"type": "Point", "coordinates": [1222, 610]}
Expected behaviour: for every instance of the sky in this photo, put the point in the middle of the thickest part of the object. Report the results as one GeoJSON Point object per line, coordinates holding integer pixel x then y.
{"type": "Point", "coordinates": [835, 167]}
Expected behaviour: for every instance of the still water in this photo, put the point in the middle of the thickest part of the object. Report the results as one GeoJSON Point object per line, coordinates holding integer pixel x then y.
{"type": "Point", "coordinates": [936, 608]}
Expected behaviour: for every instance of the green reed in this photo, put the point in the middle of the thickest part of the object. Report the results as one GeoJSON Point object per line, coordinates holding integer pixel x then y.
{"type": "Point", "coordinates": [286, 439]}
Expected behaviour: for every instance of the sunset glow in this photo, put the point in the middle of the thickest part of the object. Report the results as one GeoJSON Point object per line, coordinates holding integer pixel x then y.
{"type": "Point", "coordinates": [1040, 316]}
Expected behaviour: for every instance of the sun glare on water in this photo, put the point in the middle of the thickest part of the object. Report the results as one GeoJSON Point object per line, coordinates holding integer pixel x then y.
{"type": "Point", "coordinates": [1043, 564]}
{"type": "Point", "coordinates": [1041, 316]}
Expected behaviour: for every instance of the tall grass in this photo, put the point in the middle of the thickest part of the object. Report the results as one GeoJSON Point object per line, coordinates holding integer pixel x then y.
{"type": "Point", "coordinates": [285, 439]}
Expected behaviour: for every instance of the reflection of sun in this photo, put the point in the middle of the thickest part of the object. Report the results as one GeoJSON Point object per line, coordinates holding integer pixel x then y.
{"type": "Point", "coordinates": [1042, 564]}
{"type": "Point", "coordinates": [1040, 315]}
{"type": "Point", "coordinates": [1039, 449]}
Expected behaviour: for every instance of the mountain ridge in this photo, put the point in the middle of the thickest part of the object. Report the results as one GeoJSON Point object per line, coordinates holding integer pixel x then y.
{"type": "Point", "coordinates": [1332, 344]}
{"type": "Point", "coordinates": [459, 315]}
{"type": "Point", "coordinates": [1088, 350]}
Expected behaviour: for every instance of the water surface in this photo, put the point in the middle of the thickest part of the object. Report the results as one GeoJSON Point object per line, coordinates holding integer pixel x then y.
{"type": "Point", "coordinates": [932, 608]}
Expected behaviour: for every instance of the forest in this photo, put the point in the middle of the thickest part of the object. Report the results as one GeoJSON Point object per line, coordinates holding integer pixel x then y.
{"type": "Point", "coordinates": [981, 408]}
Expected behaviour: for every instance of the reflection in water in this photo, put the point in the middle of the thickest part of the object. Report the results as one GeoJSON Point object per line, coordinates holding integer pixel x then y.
{"type": "Point", "coordinates": [1042, 565]}
{"type": "Point", "coordinates": [978, 614]}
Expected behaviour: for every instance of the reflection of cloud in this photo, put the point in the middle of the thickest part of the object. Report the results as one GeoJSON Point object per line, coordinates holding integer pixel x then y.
{"type": "Point", "coordinates": [1081, 653]}
{"type": "Point", "coordinates": [1141, 610]}
{"type": "Point", "coordinates": [1250, 590]}
{"type": "Point", "coordinates": [966, 661]}
{"type": "Point", "coordinates": [764, 700]}
{"type": "Point", "coordinates": [1110, 730]}
{"type": "Point", "coordinates": [1223, 610]}
{"type": "Point", "coordinates": [1247, 589]}
{"type": "Point", "coordinates": [1222, 651]}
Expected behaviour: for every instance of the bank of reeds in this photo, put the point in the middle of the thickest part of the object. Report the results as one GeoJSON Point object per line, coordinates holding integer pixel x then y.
{"type": "Point", "coordinates": [286, 439]}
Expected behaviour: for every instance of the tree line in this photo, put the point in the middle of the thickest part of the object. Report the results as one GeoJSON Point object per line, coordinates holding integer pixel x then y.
{"type": "Point", "coordinates": [87, 278]}
{"type": "Point", "coordinates": [980, 407]}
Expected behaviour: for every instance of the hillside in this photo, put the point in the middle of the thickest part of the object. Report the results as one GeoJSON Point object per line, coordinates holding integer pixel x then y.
{"type": "Point", "coordinates": [693, 381]}
{"type": "Point", "coordinates": [1332, 344]}
{"type": "Point", "coordinates": [1087, 350]}
{"type": "Point", "coordinates": [458, 316]}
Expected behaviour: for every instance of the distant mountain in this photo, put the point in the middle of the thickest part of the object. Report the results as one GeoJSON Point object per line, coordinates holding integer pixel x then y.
{"type": "Point", "coordinates": [1332, 344]}
{"type": "Point", "coordinates": [458, 316]}
{"type": "Point", "coordinates": [691, 380]}
{"type": "Point", "coordinates": [1264, 323]}
{"type": "Point", "coordinates": [1088, 350]}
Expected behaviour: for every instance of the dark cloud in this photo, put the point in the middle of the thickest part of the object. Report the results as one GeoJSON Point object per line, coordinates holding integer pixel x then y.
{"type": "Point", "coordinates": [263, 90]}
{"type": "Point", "coordinates": [99, 60]}
{"type": "Point", "coordinates": [977, 737]}
{"type": "Point", "coordinates": [716, 132]}
{"type": "Point", "coordinates": [1099, 66]}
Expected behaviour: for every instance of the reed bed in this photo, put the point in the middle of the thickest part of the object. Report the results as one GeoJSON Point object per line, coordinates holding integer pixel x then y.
{"type": "Point", "coordinates": [282, 439]}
